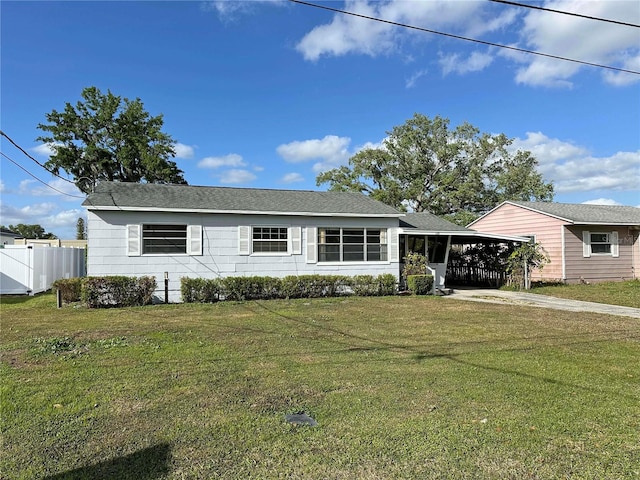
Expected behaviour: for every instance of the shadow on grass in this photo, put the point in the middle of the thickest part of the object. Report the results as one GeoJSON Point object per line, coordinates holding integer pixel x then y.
{"type": "Point", "coordinates": [418, 354]}
{"type": "Point", "coordinates": [147, 464]}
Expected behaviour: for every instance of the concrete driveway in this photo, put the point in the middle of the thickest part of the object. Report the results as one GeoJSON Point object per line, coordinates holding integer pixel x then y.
{"type": "Point", "coordinates": [542, 301]}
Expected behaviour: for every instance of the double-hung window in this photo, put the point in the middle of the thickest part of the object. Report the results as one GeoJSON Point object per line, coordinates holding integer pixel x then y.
{"type": "Point", "coordinates": [352, 244]}
{"type": "Point", "coordinates": [270, 240]}
{"type": "Point", "coordinates": [164, 239]}
{"type": "Point", "coordinates": [600, 243]}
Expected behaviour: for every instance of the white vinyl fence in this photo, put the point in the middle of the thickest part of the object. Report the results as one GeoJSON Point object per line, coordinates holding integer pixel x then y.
{"type": "Point", "coordinates": [30, 270]}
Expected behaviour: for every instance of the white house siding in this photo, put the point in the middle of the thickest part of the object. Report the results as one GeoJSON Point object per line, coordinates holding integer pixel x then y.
{"type": "Point", "coordinates": [598, 268]}
{"type": "Point", "coordinates": [107, 248]}
{"type": "Point", "coordinates": [513, 220]}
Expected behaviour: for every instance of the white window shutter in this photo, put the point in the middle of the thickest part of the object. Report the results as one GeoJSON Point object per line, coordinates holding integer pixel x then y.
{"type": "Point", "coordinates": [194, 239]}
{"type": "Point", "coordinates": [312, 250]}
{"type": "Point", "coordinates": [586, 244]}
{"type": "Point", "coordinates": [244, 241]}
{"type": "Point", "coordinates": [133, 241]}
{"type": "Point", "coordinates": [295, 240]}
{"type": "Point", "coordinates": [393, 247]}
{"type": "Point", "coordinates": [615, 251]}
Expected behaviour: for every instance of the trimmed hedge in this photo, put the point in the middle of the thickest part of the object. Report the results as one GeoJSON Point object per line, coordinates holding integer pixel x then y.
{"type": "Point", "coordinates": [117, 291]}
{"type": "Point", "coordinates": [420, 284]}
{"type": "Point", "coordinates": [101, 292]}
{"type": "Point", "coordinates": [200, 290]}
{"type": "Point", "coordinates": [70, 289]}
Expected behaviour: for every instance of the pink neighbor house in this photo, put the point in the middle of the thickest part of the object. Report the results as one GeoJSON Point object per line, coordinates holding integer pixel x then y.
{"type": "Point", "coordinates": [585, 243]}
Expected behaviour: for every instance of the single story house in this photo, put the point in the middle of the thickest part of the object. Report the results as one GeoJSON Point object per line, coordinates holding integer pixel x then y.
{"type": "Point", "coordinates": [7, 237]}
{"type": "Point", "coordinates": [585, 243]}
{"type": "Point", "coordinates": [174, 231]}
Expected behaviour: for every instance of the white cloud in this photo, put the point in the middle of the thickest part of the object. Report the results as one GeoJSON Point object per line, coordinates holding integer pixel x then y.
{"type": "Point", "coordinates": [602, 201]}
{"type": "Point", "coordinates": [347, 34]}
{"type": "Point", "coordinates": [65, 219]}
{"type": "Point", "coordinates": [454, 63]}
{"type": "Point", "coordinates": [56, 187]}
{"type": "Point", "coordinates": [546, 32]}
{"type": "Point", "coordinates": [292, 178]}
{"type": "Point", "coordinates": [231, 9]}
{"type": "Point", "coordinates": [580, 39]}
{"type": "Point", "coordinates": [231, 160]}
{"type": "Point", "coordinates": [331, 151]}
{"type": "Point", "coordinates": [237, 176]}
{"type": "Point", "coordinates": [2, 189]}
{"type": "Point", "coordinates": [29, 214]}
{"type": "Point", "coordinates": [574, 169]}
{"type": "Point", "coordinates": [413, 79]}
{"type": "Point", "coordinates": [45, 149]}
{"type": "Point", "coordinates": [184, 151]}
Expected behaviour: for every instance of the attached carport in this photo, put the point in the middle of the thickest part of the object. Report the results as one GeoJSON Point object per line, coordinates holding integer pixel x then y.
{"type": "Point", "coordinates": [433, 237]}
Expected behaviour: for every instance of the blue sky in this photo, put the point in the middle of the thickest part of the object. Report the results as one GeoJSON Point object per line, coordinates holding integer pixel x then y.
{"type": "Point", "coordinates": [270, 93]}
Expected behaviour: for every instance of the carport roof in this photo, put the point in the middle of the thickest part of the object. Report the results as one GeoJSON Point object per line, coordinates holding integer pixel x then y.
{"type": "Point", "coordinates": [425, 223]}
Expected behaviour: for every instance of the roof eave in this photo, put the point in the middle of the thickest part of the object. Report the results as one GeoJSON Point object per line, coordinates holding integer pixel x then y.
{"type": "Point", "coordinates": [242, 212]}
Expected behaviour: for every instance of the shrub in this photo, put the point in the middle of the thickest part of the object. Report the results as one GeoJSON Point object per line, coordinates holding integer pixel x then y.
{"type": "Point", "coordinates": [368, 285]}
{"type": "Point", "coordinates": [387, 284]}
{"type": "Point", "coordinates": [70, 289]}
{"type": "Point", "coordinates": [200, 290]}
{"type": "Point", "coordinates": [250, 288]}
{"type": "Point", "coordinates": [364, 285]}
{"type": "Point", "coordinates": [117, 291]}
{"type": "Point", "coordinates": [414, 264]}
{"type": "Point", "coordinates": [420, 284]}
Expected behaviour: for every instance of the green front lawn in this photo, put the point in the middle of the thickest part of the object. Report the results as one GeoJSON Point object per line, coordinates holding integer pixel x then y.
{"type": "Point", "coordinates": [401, 387]}
{"type": "Point", "coordinates": [626, 294]}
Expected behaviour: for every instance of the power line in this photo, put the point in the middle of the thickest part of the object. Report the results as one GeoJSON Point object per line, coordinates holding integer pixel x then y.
{"type": "Point", "coordinates": [31, 157]}
{"type": "Point", "coordinates": [535, 7]}
{"type": "Point", "coordinates": [459, 37]}
{"type": "Point", "coordinates": [41, 181]}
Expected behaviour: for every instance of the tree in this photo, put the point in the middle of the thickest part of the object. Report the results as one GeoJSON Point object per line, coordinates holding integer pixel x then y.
{"type": "Point", "coordinates": [105, 137]}
{"type": "Point", "coordinates": [81, 230]}
{"type": "Point", "coordinates": [524, 259]}
{"type": "Point", "coordinates": [423, 165]}
{"type": "Point", "coordinates": [30, 231]}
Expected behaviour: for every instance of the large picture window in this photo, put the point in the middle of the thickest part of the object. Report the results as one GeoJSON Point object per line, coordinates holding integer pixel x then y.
{"type": "Point", "coordinates": [352, 244]}
{"type": "Point", "coordinates": [270, 239]}
{"type": "Point", "coordinates": [164, 239]}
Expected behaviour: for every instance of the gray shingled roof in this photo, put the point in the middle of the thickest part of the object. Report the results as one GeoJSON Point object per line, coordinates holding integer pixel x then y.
{"type": "Point", "coordinates": [122, 195]}
{"type": "Point", "coordinates": [587, 214]}
{"type": "Point", "coordinates": [429, 222]}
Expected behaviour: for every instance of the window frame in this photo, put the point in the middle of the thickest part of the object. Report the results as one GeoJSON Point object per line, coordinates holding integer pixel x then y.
{"type": "Point", "coordinates": [143, 239]}
{"type": "Point", "coordinates": [135, 239]}
{"type": "Point", "coordinates": [608, 242]}
{"type": "Point", "coordinates": [612, 240]}
{"type": "Point", "coordinates": [352, 238]}
{"type": "Point", "coordinates": [286, 241]}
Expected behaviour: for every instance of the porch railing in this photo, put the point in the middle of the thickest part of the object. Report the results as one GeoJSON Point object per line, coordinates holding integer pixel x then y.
{"type": "Point", "coordinates": [459, 273]}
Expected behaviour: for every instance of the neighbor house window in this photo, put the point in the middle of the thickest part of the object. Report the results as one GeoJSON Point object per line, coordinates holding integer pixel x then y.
{"type": "Point", "coordinates": [352, 244]}
{"type": "Point", "coordinates": [600, 243]}
{"type": "Point", "coordinates": [270, 240]}
{"type": "Point", "coordinates": [164, 239]}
